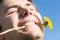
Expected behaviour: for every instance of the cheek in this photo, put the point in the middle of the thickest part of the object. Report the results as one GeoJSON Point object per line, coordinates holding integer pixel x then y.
{"type": "Point", "coordinates": [5, 23]}
{"type": "Point", "coordinates": [14, 19]}
{"type": "Point", "coordinates": [8, 21]}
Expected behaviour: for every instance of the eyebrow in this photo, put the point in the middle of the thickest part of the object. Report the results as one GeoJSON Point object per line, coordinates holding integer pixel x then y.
{"type": "Point", "coordinates": [30, 1]}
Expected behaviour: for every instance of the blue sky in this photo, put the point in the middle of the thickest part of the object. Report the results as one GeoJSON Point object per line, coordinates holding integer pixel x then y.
{"type": "Point", "coordinates": [51, 9]}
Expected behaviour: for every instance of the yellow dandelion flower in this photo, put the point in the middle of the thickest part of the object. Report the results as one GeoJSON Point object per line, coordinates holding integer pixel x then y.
{"type": "Point", "coordinates": [48, 21]}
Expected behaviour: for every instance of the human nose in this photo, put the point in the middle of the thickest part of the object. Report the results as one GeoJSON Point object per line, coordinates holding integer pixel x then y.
{"type": "Point", "coordinates": [25, 12]}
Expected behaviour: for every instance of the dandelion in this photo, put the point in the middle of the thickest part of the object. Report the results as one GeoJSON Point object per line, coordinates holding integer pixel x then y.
{"type": "Point", "coordinates": [47, 22]}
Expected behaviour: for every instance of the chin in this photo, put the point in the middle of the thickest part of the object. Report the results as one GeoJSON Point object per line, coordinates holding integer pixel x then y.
{"type": "Point", "coordinates": [28, 37]}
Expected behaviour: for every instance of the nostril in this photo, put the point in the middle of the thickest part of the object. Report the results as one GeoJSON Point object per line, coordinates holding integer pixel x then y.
{"type": "Point", "coordinates": [25, 14]}
{"type": "Point", "coordinates": [30, 13]}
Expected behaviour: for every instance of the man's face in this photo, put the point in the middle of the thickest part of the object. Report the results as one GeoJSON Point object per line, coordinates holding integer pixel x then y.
{"type": "Point", "coordinates": [19, 13]}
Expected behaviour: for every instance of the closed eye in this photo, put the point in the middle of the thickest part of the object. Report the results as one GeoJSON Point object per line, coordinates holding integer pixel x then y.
{"type": "Point", "coordinates": [11, 13]}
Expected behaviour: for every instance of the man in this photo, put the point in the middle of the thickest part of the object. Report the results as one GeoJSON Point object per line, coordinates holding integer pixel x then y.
{"type": "Point", "coordinates": [19, 13]}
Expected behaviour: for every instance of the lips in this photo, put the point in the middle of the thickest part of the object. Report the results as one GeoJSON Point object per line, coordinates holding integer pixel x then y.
{"type": "Point", "coordinates": [26, 23]}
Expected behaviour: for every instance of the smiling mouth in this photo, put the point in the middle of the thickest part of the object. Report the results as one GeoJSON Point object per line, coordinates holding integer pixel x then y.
{"type": "Point", "coordinates": [27, 23]}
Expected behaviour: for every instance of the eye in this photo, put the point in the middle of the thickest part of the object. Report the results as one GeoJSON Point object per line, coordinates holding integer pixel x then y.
{"type": "Point", "coordinates": [11, 11]}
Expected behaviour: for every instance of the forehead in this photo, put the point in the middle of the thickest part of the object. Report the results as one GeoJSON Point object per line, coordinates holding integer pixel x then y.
{"type": "Point", "coordinates": [17, 0]}
{"type": "Point", "coordinates": [12, 2]}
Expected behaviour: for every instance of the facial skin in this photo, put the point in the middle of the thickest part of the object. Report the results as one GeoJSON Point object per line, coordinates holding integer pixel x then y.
{"type": "Point", "coordinates": [16, 13]}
